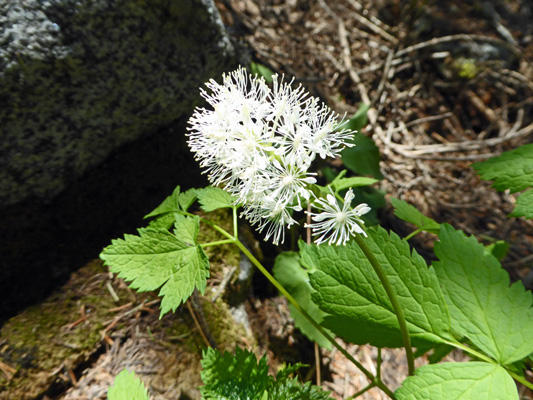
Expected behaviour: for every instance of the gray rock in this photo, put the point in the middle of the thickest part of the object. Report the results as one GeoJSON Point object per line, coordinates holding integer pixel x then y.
{"type": "Point", "coordinates": [79, 78]}
{"type": "Point", "coordinates": [94, 97]}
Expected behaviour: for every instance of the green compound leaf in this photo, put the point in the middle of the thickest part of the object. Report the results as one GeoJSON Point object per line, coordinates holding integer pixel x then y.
{"type": "Point", "coordinates": [157, 258]}
{"type": "Point", "coordinates": [363, 158]}
{"type": "Point", "coordinates": [187, 198]}
{"type": "Point", "coordinates": [347, 288]}
{"type": "Point", "coordinates": [289, 272]}
{"type": "Point", "coordinates": [192, 272]}
{"type": "Point", "coordinates": [496, 317]}
{"type": "Point", "coordinates": [407, 212]}
{"type": "Point", "coordinates": [186, 229]}
{"type": "Point", "coordinates": [524, 205]}
{"type": "Point", "coordinates": [292, 389]}
{"type": "Point", "coordinates": [212, 198]}
{"type": "Point", "coordinates": [498, 249]}
{"type": "Point", "coordinates": [241, 377]}
{"type": "Point", "coordinates": [170, 204]}
{"type": "Point", "coordinates": [127, 387]}
{"type": "Point", "coordinates": [163, 221]}
{"type": "Point", "coordinates": [458, 381]}
{"type": "Point", "coordinates": [233, 377]}
{"type": "Point", "coordinates": [512, 170]}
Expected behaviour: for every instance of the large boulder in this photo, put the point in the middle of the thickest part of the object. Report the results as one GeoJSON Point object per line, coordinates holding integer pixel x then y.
{"type": "Point", "coordinates": [93, 99]}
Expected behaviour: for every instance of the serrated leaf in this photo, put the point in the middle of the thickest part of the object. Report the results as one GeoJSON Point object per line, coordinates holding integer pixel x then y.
{"type": "Point", "coordinates": [157, 258]}
{"type": "Point", "coordinates": [524, 205]}
{"type": "Point", "coordinates": [458, 381]}
{"type": "Point", "coordinates": [292, 389]}
{"type": "Point", "coordinates": [163, 221]}
{"type": "Point", "coordinates": [233, 377]}
{"type": "Point", "coordinates": [289, 272]}
{"type": "Point", "coordinates": [187, 228]}
{"type": "Point", "coordinates": [348, 289]}
{"type": "Point", "coordinates": [407, 212]}
{"type": "Point", "coordinates": [511, 170]}
{"type": "Point", "coordinates": [498, 249]}
{"type": "Point", "coordinates": [192, 272]}
{"type": "Point", "coordinates": [496, 317]}
{"type": "Point", "coordinates": [127, 387]}
{"type": "Point", "coordinates": [170, 204]}
{"type": "Point", "coordinates": [187, 198]}
{"type": "Point", "coordinates": [212, 198]}
{"type": "Point", "coordinates": [363, 158]}
{"type": "Point", "coordinates": [345, 183]}
{"type": "Point", "coordinates": [440, 351]}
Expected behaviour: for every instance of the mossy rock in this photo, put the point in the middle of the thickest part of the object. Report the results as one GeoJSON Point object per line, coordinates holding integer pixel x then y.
{"type": "Point", "coordinates": [94, 100]}
{"type": "Point", "coordinates": [47, 346]}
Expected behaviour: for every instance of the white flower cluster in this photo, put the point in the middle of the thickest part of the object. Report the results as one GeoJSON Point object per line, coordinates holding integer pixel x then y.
{"type": "Point", "coordinates": [259, 143]}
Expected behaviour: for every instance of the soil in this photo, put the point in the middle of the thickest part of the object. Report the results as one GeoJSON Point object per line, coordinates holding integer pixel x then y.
{"type": "Point", "coordinates": [448, 84]}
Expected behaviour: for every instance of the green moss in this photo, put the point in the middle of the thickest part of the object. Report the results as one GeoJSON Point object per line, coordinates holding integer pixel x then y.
{"type": "Point", "coordinates": [44, 337]}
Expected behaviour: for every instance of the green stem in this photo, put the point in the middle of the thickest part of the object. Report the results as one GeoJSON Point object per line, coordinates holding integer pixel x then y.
{"type": "Point", "coordinates": [483, 357]}
{"type": "Point", "coordinates": [359, 393]}
{"type": "Point", "coordinates": [217, 243]}
{"type": "Point", "coordinates": [234, 239]}
{"type": "Point", "coordinates": [520, 379]}
{"type": "Point", "coordinates": [394, 301]}
{"type": "Point", "coordinates": [235, 225]}
{"type": "Point", "coordinates": [378, 364]}
{"type": "Point", "coordinates": [296, 305]}
{"type": "Point", "coordinates": [470, 351]}
{"type": "Point", "coordinates": [413, 234]}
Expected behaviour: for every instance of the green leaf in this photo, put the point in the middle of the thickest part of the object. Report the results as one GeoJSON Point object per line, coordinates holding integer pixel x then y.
{"type": "Point", "coordinates": [289, 272]}
{"type": "Point", "coordinates": [512, 170]}
{"type": "Point", "coordinates": [233, 377]}
{"type": "Point", "coordinates": [358, 121]}
{"type": "Point", "coordinates": [291, 389]}
{"type": "Point", "coordinates": [186, 228]}
{"type": "Point", "coordinates": [498, 249]}
{"type": "Point", "coordinates": [127, 387]}
{"type": "Point", "coordinates": [407, 212]}
{"type": "Point", "coordinates": [375, 198]}
{"type": "Point", "coordinates": [261, 70]}
{"type": "Point", "coordinates": [240, 377]}
{"type": "Point", "coordinates": [440, 351]}
{"type": "Point", "coordinates": [187, 198]}
{"type": "Point", "coordinates": [212, 198]}
{"type": "Point", "coordinates": [345, 183]}
{"type": "Point", "coordinates": [363, 158]}
{"type": "Point", "coordinates": [170, 204]}
{"type": "Point", "coordinates": [163, 221]}
{"type": "Point", "coordinates": [192, 272]}
{"type": "Point", "coordinates": [458, 381]}
{"type": "Point", "coordinates": [496, 317]}
{"type": "Point", "coordinates": [348, 289]}
{"type": "Point", "coordinates": [157, 258]}
{"type": "Point", "coordinates": [524, 205]}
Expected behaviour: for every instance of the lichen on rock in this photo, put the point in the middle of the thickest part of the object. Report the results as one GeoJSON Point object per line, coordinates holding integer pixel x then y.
{"type": "Point", "coordinates": [79, 78]}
